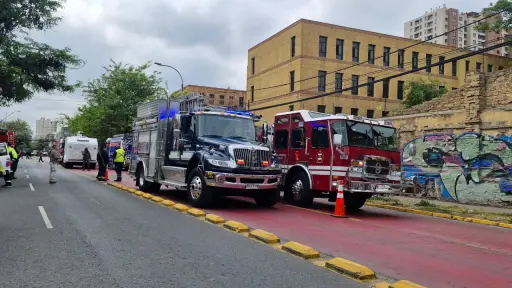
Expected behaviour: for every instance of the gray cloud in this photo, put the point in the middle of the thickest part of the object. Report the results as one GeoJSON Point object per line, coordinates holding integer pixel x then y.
{"type": "Point", "coordinates": [207, 40]}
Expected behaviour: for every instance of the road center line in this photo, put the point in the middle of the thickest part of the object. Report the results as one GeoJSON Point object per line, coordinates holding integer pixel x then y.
{"type": "Point", "coordinates": [25, 170]}
{"type": "Point", "coordinates": [27, 176]}
{"type": "Point", "coordinates": [31, 187]}
{"type": "Point", "coordinates": [95, 201]}
{"type": "Point", "coordinates": [45, 218]}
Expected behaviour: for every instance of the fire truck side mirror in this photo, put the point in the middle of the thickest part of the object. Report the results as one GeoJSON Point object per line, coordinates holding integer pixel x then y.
{"type": "Point", "coordinates": [337, 139]}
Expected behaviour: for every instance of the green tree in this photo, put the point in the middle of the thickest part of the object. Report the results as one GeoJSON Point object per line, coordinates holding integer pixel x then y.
{"type": "Point", "coordinates": [420, 90]}
{"type": "Point", "coordinates": [22, 132]}
{"type": "Point", "coordinates": [112, 100]}
{"type": "Point", "coordinates": [27, 66]}
{"type": "Point", "coordinates": [500, 22]}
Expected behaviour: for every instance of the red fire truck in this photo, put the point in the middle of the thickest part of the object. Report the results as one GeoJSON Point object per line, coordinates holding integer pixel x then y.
{"type": "Point", "coordinates": [7, 136]}
{"type": "Point", "coordinates": [318, 153]}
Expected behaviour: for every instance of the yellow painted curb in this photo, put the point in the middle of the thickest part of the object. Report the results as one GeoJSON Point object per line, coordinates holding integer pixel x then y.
{"type": "Point", "coordinates": [139, 193]}
{"type": "Point", "coordinates": [481, 221]}
{"type": "Point", "coordinates": [168, 203]}
{"type": "Point", "coordinates": [131, 190]}
{"type": "Point", "coordinates": [180, 207]}
{"type": "Point", "coordinates": [405, 284]}
{"type": "Point", "coordinates": [460, 218]}
{"type": "Point", "coordinates": [300, 250]}
{"type": "Point", "coordinates": [212, 218]}
{"type": "Point", "coordinates": [236, 227]}
{"type": "Point", "coordinates": [442, 215]}
{"type": "Point", "coordinates": [124, 188]}
{"type": "Point", "coordinates": [264, 236]}
{"type": "Point", "coordinates": [157, 199]}
{"type": "Point", "coordinates": [421, 212]}
{"type": "Point", "coordinates": [147, 195]}
{"type": "Point", "coordinates": [505, 225]}
{"type": "Point", "coordinates": [351, 269]}
{"type": "Point", "coordinates": [196, 212]}
{"type": "Point", "coordinates": [382, 285]}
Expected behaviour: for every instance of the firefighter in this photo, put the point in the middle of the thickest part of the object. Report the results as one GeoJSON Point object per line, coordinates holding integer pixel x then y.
{"type": "Point", "coordinates": [119, 161]}
{"type": "Point", "coordinates": [14, 159]}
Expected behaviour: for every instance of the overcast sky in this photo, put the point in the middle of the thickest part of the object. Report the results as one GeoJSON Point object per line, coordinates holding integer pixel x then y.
{"type": "Point", "coordinates": [207, 40]}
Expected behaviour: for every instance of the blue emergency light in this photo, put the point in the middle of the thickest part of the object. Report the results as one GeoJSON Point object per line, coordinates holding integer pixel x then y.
{"type": "Point", "coordinates": [241, 113]}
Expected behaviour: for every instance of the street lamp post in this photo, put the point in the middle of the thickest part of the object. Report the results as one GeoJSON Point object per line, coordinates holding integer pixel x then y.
{"type": "Point", "coordinates": [3, 120]}
{"type": "Point", "coordinates": [168, 96]}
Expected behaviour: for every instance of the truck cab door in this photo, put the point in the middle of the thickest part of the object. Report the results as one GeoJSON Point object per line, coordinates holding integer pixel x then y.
{"type": "Point", "coordinates": [297, 153]}
{"type": "Point", "coordinates": [320, 154]}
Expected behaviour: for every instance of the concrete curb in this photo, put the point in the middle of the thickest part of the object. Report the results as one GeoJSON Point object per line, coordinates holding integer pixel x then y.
{"type": "Point", "coordinates": [340, 265]}
{"type": "Point", "coordinates": [351, 269]}
{"type": "Point", "coordinates": [442, 215]}
{"type": "Point", "coordinates": [301, 250]}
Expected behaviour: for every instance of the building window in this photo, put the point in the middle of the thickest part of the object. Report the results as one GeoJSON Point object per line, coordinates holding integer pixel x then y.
{"type": "Point", "coordinates": [401, 58]}
{"type": "Point", "coordinates": [252, 93]}
{"type": "Point", "coordinates": [355, 84]}
{"type": "Point", "coordinates": [369, 113]}
{"type": "Point", "coordinates": [415, 56]}
{"type": "Point", "coordinates": [385, 113]}
{"type": "Point", "coordinates": [354, 111]}
{"type": "Point", "coordinates": [323, 47]}
{"type": "Point", "coordinates": [441, 65]}
{"type": "Point", "coordinates": [241, 102]}
{"type": "Point", "coordinates": [231, 102]}
{"type": "Point", "coordinates": [338, 82]}
{"type": "Point", "coordinates": [385, 88]}
{"type": "Point", "coordinates": [467, 66]}
{"type": "Point", "coordinates": [253, 65]}
{"type": "Point", "coordinates": [400, 90]}
{"type": "Point", "coordinates": [338, 110]}
{"type": "Point", "coordinates": [500, 68]}
{"type": "Point", "coordinates": [478, 66]}
{"type": "Point", "coordinates": [371, 54]}
{"type": "Point", "coordinates": [320, 108]}
{"type": "Point", "coordinates": [370, 86]}
{"type": "Point", "coordinates": [385, 59]}
{"type": "Point", "coordinates": [428, 62]}
{"type": "Point", "coordinates": [454, 68]}
{"type": "Point", "coordinates": [489, 68]}
{"type": "Point", "coordinates": [355, 51]}
{"type": "Point", "coordinates": [292, 81]}
{"type": "Point", "coordinates": [293, 46]}
{"type": "Point", "coordinates": [321, 81]}
{"type": "Point", "coordinates": [339, 49]}
{"type": "Point", "coordinates": [221, 100]}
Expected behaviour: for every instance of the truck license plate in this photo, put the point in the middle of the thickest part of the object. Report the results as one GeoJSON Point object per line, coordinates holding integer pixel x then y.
{"type": "Point", "coordinates": [251, 186]}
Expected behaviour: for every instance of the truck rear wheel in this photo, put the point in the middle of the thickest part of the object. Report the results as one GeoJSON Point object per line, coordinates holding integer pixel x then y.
{"type": "Point", "coordinates": [267, 198]}
{"type": "Point", "coordinates": [145, 186]}
{"type": "Point", "coordinates": [354, 201]}
{"type": "Point", "coordinates": [198, 193]}
{"type": "Point", "coordinates": [298, 192]}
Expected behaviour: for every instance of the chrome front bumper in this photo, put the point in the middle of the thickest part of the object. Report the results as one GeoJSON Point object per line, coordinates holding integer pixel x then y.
{"type": "Point", "coordinates": [378, 187]}
{"type": "Point", "coordinates": [242, 181]}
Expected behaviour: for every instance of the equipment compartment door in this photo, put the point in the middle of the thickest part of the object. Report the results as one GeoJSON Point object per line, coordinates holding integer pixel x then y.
{"type": "Point", "coordinates": [152, 153]}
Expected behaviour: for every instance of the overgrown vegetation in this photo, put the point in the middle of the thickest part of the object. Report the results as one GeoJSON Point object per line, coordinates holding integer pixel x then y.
{"type": "Point", "coordinates": [421, 90]}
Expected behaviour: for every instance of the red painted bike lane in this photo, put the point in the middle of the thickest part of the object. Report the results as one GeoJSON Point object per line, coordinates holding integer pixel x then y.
{"type": "Point", "coordinates": [429, 251]}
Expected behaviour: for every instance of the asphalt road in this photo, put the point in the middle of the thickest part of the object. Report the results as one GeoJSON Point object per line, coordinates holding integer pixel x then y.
{"type": "Point", "coordinates": [97, 236]}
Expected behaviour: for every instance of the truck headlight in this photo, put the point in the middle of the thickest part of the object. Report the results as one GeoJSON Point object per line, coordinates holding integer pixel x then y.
{"type": "Point", "coordinates": [395, 170]}
{"type": "Point", "coordinates": [220, 163]}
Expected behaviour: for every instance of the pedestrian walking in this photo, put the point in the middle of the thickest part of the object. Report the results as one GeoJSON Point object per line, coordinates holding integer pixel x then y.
{"type": "Point", "coordinates": [14, 160]}
{"type": "Point", "coordinates": [102, 159]}
{"type": "Point", "coordinates": [119, 162]}
{"type": "Point", "coordinates": [40, 156]}
{"type": "Point", "coordinates": [55, 158]}
{"type": "Point", "coordinates": [86, 160]}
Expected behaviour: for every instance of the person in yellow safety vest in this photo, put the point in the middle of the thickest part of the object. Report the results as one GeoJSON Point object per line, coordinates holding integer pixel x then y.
{"type": "Point", "coordinates": [119, 162]}
{"type": "Point", "coordinates": [14, 160]}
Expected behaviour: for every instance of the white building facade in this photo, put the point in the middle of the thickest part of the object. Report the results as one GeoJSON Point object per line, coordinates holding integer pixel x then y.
{"type": "Point", "coordinates": [44, 127]}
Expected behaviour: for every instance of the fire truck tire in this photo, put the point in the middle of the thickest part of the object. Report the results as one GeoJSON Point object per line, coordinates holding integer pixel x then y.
{"type": "Point", "coordinates": [144, 186]}
{"type": "Point", "coordinates": [354, 201]}
{"type": "Point", "coordinates": [198, 193]}
{"type": "Point", "coordinates": [267, 198]}
{"type": "Point", "coordinates": [298, 192]}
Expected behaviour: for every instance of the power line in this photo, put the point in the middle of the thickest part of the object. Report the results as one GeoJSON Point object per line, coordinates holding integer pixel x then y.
{"type": "Point", "coordinates": [473, 53]}
{"type": "Point", "coordinates": [396, 51]}
{"type": "Point", "coordinates": [386, 69]}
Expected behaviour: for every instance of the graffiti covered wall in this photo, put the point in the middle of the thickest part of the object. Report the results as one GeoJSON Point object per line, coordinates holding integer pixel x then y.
{"type": "Point", "coordinates": [466, 168]}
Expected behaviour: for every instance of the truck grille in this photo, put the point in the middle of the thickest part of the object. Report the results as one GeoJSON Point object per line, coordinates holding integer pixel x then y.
{"type": "Point", "coordinates": [375, 167]}
{"type": "Point", "coordinates": [252, 158]}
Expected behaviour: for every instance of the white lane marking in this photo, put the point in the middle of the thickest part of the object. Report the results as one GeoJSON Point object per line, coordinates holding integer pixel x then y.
{"type": "Point", "coordinates": [95, 201]}
{"type": "Point", "coordinates": [25, 170]}
{"type": "Point", "coordinates": [31, 187]}
{"type": "Point", "coordinates": [27, 176]}
{"type": "Point", "coordinates": [45, 218]}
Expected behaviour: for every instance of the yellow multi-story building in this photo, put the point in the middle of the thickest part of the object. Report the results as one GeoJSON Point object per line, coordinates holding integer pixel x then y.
{"type": "Point", "coordinates": [309, 58]}
{"type": "Point", "coordinates": [218, 96]}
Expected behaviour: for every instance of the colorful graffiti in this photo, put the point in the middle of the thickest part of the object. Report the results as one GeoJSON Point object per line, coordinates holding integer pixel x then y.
{"type": "Point", "coordinates": [466, 168]}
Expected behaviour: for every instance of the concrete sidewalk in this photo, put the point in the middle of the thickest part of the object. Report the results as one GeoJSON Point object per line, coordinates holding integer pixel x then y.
{"type": "Point", "coordinates": [489, 209]}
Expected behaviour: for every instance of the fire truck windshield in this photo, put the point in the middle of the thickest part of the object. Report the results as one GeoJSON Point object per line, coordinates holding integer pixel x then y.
{"type": "Point", "coordinates": [366, 135]}
{"type": "Point", "coordinates": [212, 125]}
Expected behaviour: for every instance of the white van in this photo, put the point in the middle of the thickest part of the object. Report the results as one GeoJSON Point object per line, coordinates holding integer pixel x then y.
{"type": "Point", "coordinates": [73, 148]}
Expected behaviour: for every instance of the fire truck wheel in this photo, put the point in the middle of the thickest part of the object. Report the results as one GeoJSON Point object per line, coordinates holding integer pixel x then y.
{"type": "Point", "coordinates": [354, 201]}
{"type": "Point", "coordinates": [298, 191]}
{"type": "Point", "coordinates": [198, 193]}
{"type": "Point", "coordinates": [267, 198]}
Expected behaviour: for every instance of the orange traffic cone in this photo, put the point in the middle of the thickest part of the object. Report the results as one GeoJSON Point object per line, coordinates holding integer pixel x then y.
{"type": "Point", "coordinates": [106, 174]}
{"type": "Point", "coordinates": [339, 209]}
